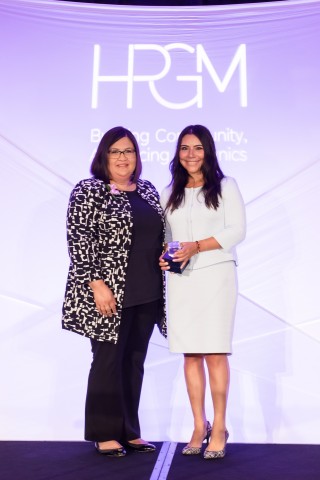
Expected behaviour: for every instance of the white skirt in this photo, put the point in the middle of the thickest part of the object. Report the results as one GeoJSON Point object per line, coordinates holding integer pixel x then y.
{"type": "Point", "coordinates": [201, 308]}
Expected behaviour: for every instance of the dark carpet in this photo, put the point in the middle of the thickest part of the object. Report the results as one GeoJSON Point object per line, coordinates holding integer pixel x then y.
{"type": "Point", "coordinates": [251, 462]}
{"type": "Point", "coordinates": [70, 461]}
{"type": "Point", "coordinates": [30, 460]}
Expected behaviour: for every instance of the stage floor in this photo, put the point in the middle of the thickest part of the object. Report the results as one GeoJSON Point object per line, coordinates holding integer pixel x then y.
{"type": "Point", "coordinates": [34, 460]}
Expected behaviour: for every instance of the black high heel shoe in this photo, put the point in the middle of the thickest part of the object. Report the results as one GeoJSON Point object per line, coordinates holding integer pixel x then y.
{"type": "Point", "coordinates": [141, 447]}
{"type": "Point", "coordinates": [111, 452]}
{"type": "Point", "coordinates": [196, 450]}
{"type": "Point", "coordinates": [213, 454]}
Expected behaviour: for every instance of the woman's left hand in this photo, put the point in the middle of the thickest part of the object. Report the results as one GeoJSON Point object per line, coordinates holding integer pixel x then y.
{"type": "Point", "coordinates": [187, 250]}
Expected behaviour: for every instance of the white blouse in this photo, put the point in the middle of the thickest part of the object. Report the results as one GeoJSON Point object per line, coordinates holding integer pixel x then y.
{"type": "Point", "coordinates": [193, 220]}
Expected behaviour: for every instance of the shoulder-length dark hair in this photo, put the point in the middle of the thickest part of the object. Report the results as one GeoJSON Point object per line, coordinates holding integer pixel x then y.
{"type": "Point", "coordinates": [212, 173]}
{"type": "Point", "coordinates": [99, 165]}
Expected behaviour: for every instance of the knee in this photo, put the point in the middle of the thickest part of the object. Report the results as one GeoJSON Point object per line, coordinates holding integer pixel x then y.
{"type": "Point", "coordinates": [217, 360]}
{"type": "Point", "coordinates": [195, 359]}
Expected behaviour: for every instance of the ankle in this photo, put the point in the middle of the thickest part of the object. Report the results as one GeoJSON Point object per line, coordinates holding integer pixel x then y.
{"type": "Point", "coordinates": [200, 424]}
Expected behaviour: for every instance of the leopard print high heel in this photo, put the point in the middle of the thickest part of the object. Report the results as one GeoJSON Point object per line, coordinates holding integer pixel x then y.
{"type": "Point", "coordinates": [187, 450]}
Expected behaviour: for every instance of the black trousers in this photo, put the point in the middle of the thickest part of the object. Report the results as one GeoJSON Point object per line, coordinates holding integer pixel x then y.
{"type": "Point", "coordinates": [116, 375]}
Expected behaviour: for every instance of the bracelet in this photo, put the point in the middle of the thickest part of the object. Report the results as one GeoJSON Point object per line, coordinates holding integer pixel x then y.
{"type": "Point", "coordinates": [198, 246]}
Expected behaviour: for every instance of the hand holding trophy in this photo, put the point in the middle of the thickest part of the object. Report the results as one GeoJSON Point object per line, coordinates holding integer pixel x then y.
{"type": "Point", "coordinates": [175, 267]}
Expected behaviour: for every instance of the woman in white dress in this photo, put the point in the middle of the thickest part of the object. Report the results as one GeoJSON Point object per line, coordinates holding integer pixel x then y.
{"type": "Point", "coordinates": [205, 212]}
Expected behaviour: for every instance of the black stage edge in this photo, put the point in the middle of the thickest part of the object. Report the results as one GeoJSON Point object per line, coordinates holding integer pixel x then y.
{"type": "Point", "coordinates": [36, 460]}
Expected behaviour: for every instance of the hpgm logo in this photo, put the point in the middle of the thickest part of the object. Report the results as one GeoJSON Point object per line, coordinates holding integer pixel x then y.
{"type": "Point", "coordinates": [237, 62]}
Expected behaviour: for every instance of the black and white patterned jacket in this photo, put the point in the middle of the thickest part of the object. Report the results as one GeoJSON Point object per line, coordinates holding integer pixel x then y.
{"type": "Point", "coordinates": [99, 235]}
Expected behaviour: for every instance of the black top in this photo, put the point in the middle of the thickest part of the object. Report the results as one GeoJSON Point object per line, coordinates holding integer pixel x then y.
{"type": "Point", "coordinates": [144, 277]}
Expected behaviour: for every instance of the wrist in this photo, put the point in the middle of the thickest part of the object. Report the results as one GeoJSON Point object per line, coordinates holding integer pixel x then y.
{"type": "Point", "coordinates": [197, 246]}
{"type": "Point", "coordinates": [96, 284]}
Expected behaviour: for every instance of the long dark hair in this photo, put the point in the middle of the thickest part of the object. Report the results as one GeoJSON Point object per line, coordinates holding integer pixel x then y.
{"type": "Point", "coordinates": [212, 173]}
{"type": "Point", "coordinates": [99, 165]}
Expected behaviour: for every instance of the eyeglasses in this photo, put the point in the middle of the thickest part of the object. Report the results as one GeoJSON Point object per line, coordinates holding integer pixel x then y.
{"type": "Point", "coordinates": [128, 152]}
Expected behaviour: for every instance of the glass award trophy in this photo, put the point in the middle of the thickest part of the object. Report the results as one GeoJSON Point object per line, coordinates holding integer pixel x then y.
{"type": "Point", "coordinates": [175, 267]}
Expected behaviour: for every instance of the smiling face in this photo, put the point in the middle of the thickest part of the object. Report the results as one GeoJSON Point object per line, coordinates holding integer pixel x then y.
{"type": "Point", "coordinates": [121, 165]}
{"type": "Point", "coordinates": [191, 154]}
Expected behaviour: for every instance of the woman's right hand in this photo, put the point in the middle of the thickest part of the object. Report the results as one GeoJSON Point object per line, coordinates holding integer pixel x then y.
{"type": "Point", "coordinates": [104, 298]}
{"type": "Point", "coordinates": [163, 264]}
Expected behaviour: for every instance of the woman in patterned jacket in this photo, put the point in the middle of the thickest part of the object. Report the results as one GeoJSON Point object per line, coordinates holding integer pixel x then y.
{"type": "Point", "coordinates": [115, 291]}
